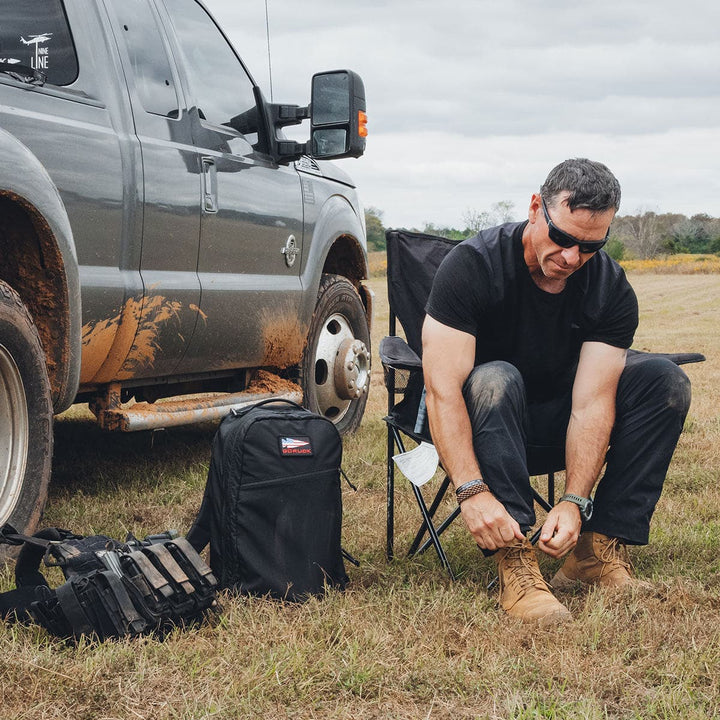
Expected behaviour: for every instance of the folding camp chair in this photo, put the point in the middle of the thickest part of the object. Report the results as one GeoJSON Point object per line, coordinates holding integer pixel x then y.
{"type": "Point", "coordinates": [412, 261]}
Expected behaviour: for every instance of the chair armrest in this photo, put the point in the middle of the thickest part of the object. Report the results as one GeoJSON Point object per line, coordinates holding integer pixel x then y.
{"type": "Point", "coordinates": [397, 354]}
{"type": "Point", "coordinates": [677, 358]}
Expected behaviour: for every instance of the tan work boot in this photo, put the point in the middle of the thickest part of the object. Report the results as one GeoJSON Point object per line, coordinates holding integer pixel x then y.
{"type": "Point", "coordinates": [597, 560]}
{"type": "Point", "coordinates": [523, 592]}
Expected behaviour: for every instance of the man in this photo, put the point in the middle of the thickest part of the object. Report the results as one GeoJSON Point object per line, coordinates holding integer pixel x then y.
{"type": "Point", "coordinates": [525, 354]}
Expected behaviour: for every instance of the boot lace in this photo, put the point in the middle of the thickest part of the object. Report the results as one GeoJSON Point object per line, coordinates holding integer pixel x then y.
{"type": "Point", "coordinates": [614, 555]}
{"type": "Point", "coordinates": [521, 571]}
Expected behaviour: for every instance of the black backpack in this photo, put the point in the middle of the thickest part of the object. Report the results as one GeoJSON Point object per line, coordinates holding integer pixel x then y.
{"type": "Point", "coordinates": [112, 589]}
{"type": "Point", "coordinates": [272, 509]}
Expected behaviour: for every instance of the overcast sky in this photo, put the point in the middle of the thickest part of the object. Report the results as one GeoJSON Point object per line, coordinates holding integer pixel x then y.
{"type": "Point", "coordinates": [473, 102]}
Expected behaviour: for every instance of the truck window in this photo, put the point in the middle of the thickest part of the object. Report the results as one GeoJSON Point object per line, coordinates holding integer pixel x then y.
{"type": "Point", "coordinates": [220, 86]}
{"type": "Point", "coordinates": [148, 55]}
{"type": "Point", "coordinates": [37, 34]}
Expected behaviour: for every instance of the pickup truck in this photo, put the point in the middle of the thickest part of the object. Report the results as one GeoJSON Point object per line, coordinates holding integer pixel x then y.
{"type": "Point", "coordinates": [166, 252]}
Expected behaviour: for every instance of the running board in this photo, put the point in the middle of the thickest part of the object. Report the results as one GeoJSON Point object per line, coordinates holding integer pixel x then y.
{"type": "Point", "coordinates": [186, 411]}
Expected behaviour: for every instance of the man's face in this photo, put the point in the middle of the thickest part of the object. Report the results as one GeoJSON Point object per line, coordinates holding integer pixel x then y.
{"type": "Point", "coordinates": [548, 259]}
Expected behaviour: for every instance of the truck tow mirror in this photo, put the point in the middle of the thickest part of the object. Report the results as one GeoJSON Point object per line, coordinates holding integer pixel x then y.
{"type": "Point", "coordinates": [337, 115]}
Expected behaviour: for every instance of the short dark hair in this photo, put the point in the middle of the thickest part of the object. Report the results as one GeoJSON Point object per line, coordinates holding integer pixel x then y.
{"type": "Point", "coordinates": [591, 185]}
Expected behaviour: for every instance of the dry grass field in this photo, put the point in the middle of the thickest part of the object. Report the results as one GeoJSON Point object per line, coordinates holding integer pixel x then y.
{"type": "Point", "coordinates": [403, 641]}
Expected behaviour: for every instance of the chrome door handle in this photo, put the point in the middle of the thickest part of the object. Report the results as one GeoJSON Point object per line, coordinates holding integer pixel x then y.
{"type": "Point", "coordinates": [209, 185]}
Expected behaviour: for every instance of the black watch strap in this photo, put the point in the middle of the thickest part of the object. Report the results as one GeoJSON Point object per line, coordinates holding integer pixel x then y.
{"type": "Point", "coordinates": [585, 504]}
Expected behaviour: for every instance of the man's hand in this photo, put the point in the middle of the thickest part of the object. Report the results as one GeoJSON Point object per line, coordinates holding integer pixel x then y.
{"type": "Point", "coordinates": [489, 522]}
{"type": "Point", "coordinates": [561, 530]}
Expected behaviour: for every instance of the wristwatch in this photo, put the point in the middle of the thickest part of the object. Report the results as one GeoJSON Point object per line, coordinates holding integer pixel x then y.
{"type": "Point", "coordinates": [585, 504]}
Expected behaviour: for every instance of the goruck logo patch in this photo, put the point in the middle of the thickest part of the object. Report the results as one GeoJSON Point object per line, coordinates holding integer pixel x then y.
{"type": "Point", "coordinates": [297, 445]}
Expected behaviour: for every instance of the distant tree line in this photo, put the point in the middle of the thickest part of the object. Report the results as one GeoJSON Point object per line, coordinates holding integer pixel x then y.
{"type": "Point", "coordinates": [648, 234]}
{"type": "Point", "coordinates": [642, 236]}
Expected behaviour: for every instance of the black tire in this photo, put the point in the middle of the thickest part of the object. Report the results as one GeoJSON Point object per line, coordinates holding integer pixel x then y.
{"type": "Point", "coordinates": [26, 418]}
{"type": "Point", "coordinates": [335, 370]}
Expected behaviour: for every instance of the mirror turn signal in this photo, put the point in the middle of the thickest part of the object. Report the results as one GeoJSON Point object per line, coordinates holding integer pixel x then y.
{"type": "Point", "coordinates": [362, 124]}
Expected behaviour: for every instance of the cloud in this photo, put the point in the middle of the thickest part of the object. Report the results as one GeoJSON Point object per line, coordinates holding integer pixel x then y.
{"type": "Point", "coordinates": [451, 174]}
{"type": "Point", "coordinates": [486, 67]}
{"type": "Point", "coordinates": [472, 101]}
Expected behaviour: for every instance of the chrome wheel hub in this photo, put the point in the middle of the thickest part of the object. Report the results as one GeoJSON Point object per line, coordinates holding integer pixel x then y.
{"type": "Point", "coordinates": [342, 367]}
{"type": "Point", "coordinates": [14, 433]}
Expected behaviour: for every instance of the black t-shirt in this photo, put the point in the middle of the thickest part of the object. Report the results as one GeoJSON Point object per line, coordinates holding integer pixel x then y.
{"type": "Point", "coordinates": [483, 287]}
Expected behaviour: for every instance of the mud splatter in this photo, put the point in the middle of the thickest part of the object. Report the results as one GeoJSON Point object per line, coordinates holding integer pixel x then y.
{"type": "Point", "coordinates": [347, 258]}
{"type": "Point", "coordinates": [33, 266]}
{"type": "Point", "coordinates": [97, 339]}
{"type": "Point", "coordinates": [196, 309]}
{"type": "Point", "coordinates": [263, 381]}
{"type": "Point", "coordinates": [284, 339]}
{"type": "Point", "coordinates": [120, 347]}
{"type": "Point", "coordinates": [155, 315]}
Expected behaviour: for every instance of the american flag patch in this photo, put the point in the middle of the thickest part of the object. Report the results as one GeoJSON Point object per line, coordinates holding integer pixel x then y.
{"type": "Point", "coordinates": [295, 445]}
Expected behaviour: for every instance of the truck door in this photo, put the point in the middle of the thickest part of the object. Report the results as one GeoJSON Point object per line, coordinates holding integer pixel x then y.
{"type": "Point", "coordinates": [167, 313]}
{"type": "Point", "coordinates": [252, 222]}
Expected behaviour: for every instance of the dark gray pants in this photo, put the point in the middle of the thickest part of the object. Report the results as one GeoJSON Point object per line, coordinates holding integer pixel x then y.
{"type": "Point", "coordinates": [514, 440]}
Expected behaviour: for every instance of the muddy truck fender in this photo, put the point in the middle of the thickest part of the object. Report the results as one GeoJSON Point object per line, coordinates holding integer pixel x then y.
{"type": "Point", "coordinates": [338, 246]}
{"type": "Point", "coordinates": [40, 263]}
{"type": "Point", "coordinates": [39, 330]}
{"type": "Point", "coordinates": [335, 369]}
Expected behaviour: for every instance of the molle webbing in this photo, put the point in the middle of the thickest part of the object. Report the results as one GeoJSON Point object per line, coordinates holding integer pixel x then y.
{"type": "Point", "coordinates": [112, 589]}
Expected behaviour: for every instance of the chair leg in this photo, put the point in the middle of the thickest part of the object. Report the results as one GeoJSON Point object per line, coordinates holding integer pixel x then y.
{"type": "Point", "coordinates": [394, 440]}
{"type": "Point", "coordinates": [541, 501]}
{"type": "Point", "coordinates": [431, 529]}
{"type": "Point", "coordinates": [390, 494]}
{"type": "Point", "coordinates": [431, 512]}
{"type": "Point", "coordinates": [440, 530]}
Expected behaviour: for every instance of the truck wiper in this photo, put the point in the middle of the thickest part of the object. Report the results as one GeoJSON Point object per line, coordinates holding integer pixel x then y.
{"type": "Point", "coordinates": [24, 73]}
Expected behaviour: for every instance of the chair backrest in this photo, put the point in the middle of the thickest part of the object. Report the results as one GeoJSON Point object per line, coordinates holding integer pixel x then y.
{"type": "Point", "coordinates": [412, 261]}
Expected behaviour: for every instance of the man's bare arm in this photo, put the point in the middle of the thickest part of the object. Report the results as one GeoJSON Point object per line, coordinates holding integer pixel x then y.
{"type": "Point", "coordinates": [448, 359]}
{"type": "Point", "coordinates": [591, 422]}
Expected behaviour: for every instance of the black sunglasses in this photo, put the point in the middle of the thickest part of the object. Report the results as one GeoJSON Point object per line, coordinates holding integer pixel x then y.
{"type": "Point", "coordinates": [565, 240]}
